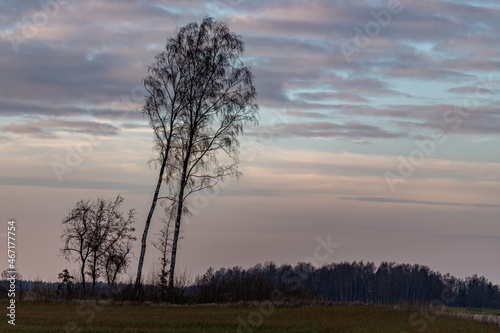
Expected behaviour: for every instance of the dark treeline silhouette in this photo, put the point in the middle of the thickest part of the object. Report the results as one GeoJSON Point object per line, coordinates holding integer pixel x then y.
{"type": "Point", "coordinates": [337, 282]}
{"type": "Point", "coordinates": [346, 282]}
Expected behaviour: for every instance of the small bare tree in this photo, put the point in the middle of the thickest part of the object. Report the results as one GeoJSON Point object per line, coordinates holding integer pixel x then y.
{"type": "Point", "coordinates": [115, 262]}
{"type": "Point", "coordinates": [65, 286]}
{"type": "Point", "coordinates": [8, 274]}
{"type": "Point", "coordinates": [164, 245]}
{"type": "Point", "coordinates": [96, 235]}
{"type": "Point", "coordinates": [77, 237]}
{"type": "Point", "coordinates": [5, 277]}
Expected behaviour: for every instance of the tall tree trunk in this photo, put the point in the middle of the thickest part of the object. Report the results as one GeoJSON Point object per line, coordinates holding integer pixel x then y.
{"type": "Point", "coordinates": [82, 271]}
{"type": "Point", "coordinates": [112, 282]}
{"type": "Point", "coordinates": [165, 262]}
{"type": "Point", "coordinates": [94, 273]}
{"type": "Point", "coordinates": [180, 202]}
{"type": "Point", "coordinates": [146, 227]}
{"type": "Point", "coordinates": [176, 231]}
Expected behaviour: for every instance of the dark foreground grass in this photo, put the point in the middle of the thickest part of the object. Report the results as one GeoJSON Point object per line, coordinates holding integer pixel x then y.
{"type": "Point", "coordinates": [87, 317]}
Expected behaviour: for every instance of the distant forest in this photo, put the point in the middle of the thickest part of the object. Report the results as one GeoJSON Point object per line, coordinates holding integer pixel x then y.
{"type": "Point", "coordinates": [336, 282]}
{"type": "Point", "coordinates": [346, 282]}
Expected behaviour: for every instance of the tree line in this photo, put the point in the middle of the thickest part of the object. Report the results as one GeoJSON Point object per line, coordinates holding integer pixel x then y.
{"type": "Point", "coordinates": [387, 283]}
{"type": "Point", "coordinates": [345, 282]}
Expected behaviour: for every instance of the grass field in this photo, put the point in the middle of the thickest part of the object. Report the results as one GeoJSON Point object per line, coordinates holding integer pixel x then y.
{"type": "Point", "coordinates": [87, 317]}
{"type": "Point", "coordinates": [475, 310]}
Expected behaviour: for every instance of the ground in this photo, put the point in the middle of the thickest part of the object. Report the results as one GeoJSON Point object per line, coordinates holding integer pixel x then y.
{"type": "Point", "coordinates": [89, 317]}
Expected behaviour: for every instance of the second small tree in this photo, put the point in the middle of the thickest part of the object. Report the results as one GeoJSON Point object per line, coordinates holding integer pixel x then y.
{"type": "Point", "coordinates": [97, 236]}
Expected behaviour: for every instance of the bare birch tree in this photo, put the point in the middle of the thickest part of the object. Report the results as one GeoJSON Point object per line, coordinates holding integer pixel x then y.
{"type": "Point", "coordinates": [220, 101]}
{"type": "Point", "coordinates": [165, 102]}
{"type": "Point", "coordinates": [200, 95]}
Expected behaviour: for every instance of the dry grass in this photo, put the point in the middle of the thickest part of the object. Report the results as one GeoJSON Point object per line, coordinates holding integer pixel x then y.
{"type": "Point", "coordinates": [88, 317]}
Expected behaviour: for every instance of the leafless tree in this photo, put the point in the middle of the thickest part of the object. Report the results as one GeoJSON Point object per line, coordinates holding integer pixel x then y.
{"type": "Point", "coordinates": [7, 274]}
{"type": "Point", "coordinates": [164, 245]}
{"type": "Point", "coordinates": [200, 97]}
{"type": "Point", "coordinates": [65, 286]}
{"type": "Point", "coordinates": [95, 234]}
{"type": "Point", "coordinates": [115, 262]}
{"type": "Point", "coordinates": [220, 102]}
{"type": "Point", "coordinates": [5, 277]}
{"type": "Point", "coordinates": [77, 237]}
{"type": "Point", "coordinates": [165, 102]}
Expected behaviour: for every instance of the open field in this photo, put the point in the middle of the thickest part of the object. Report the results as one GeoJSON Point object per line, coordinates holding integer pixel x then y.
{"type": "Point", "coordinates": [481, 311]}
{"type": "Point", "coordinates": [87, 317]}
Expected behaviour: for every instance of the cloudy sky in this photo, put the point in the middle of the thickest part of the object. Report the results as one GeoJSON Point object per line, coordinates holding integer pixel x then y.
{"type": "Point", "coordinates": [380, 125]}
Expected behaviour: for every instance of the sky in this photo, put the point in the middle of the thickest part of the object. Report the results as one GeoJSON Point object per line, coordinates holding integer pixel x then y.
{"type": "Point", "coordinates": [379, 131]}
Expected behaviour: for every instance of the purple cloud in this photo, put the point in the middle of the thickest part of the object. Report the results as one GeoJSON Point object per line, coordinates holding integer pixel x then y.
{"type": "Point", "coordinates": [350, 129]}
{"type": "Point", "coordinates": [42, 128]}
